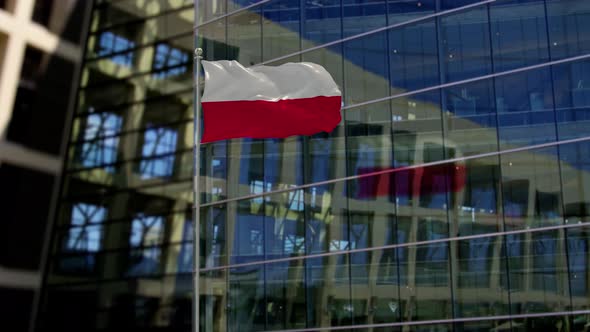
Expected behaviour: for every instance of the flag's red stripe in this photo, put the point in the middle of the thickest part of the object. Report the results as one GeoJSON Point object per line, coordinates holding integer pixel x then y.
{"type": "Point", "coordinates": [266, 119]}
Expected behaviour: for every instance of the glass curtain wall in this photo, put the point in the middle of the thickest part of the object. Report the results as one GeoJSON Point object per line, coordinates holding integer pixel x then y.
{"type": "Point", "coordinates": [479, 107]}
{"type": "Point", "coordinates": [477, 111]}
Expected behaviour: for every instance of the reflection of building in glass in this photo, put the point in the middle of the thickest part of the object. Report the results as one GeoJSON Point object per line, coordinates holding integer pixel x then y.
{"type": "Point", "coordinates": [40, 58]}
{"type": "Point", "coordinates": [490, 240]}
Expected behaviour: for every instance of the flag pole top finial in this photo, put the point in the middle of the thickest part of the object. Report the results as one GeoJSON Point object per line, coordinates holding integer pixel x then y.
{"type": "Point", "coordinates": [198, 52]}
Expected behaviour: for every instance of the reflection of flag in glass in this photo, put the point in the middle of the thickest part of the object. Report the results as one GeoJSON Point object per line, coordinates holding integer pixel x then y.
{"type": "Point", "coordinates": [417, 181]}
{"type": "Point", "coordinates": [268, 102]}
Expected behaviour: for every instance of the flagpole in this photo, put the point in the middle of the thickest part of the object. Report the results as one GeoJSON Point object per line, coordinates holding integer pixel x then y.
{"type": "Point", "coordinates": [196, 193]}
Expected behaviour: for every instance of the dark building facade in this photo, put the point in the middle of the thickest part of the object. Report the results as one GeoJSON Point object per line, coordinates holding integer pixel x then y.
{"type": "Point", "coordinates": [40, 54]}
{"type": "Point", "coordinates": [475, 114]}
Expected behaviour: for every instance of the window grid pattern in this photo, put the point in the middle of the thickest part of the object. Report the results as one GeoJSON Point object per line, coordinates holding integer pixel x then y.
{"type": "Point", "coordinates": [493, 240]}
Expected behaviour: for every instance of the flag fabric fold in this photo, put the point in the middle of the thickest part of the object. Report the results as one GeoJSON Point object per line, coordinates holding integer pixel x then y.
{"type": "Point", "coordinates": [268, 102]}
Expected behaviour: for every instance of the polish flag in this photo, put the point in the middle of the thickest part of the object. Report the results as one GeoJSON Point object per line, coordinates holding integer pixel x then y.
{"type": "Point", "coordinates": [268, 102]}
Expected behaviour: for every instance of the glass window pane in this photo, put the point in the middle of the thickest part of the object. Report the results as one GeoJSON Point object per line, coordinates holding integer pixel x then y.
{"type": "Point", "coordinates": [326, 223]}
{"type": "Point", "coordinates": [575, 167]}
{"type": "Point", "coordinates": [322, 23]}
{"type": "Point", "coordinates": [379, 287]}
{"type": "Point", "coordinates": [476, 197]}
{"type": "Point", "coordinates": [285, 294]}
{"type": "Point", "coordinates": [246, 299]}
{"type": "Point", "coordinates": [244, 32]}
{"type": "Point", "coordinates": [572, 98]}
{"type": "Point", "coordinates": [465, 39]}
{"type": "Point", "coordinates": [365, 69]}
{"type": "Point", "coordinates": [362, 16]}
{"type": "Point", "coordinates": [519, 33]}
{"type": "Point", "coordinates": [470, 119]}
{"type": "Point", "coordinates": [369, 150]}
{"type": "Point", "coordinates": [478, 268]}
{"type": "Point", "coordinates": [525, 109]}
{"type": "Point", "coordinates": [537, 270]}
{"type": "Point", "coordinates": [214, 244]}
{"type": "Point", "coordinates": [569, 24]}
{"type": "Point", "coordinates": [531, 189]}
{"type": "Point", "coordinates": [280, 28]}
{"type": "Point", "coordinates": [210, 9]}
{"type": "Point", "coordinates": [214, 301]}
{"type": "Point", "coordinates": [212, 39]}
{"type": "Point", "coordinates": [427, 294]}
{"type": "Point", "coordinates": [578, 250]}
{"type": "Point", "coordinates": [404, 10]}
{"type": "Point", "coordinates": [285, 224]}
{"type": "Point", "coordinates": [214, 170]}
{"type": "Point", "coordinates": [417, 128]}
{"type": "Point", "coordinates": [158, 146]}
{"type": "Point", "coordinates": [328, 291]}
{"type": "Point", "coordinates": [413, 56]}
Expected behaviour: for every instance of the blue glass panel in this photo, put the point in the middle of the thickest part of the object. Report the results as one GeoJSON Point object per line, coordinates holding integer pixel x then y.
{"type": "Point", "coordinates": [571, 83]}
{"type": "Point", "coordinates": [214, 244]}
{"type": "Point", "coordinates": [578, 249]}
{"type": "Point", "coordinates": [538, 276]}
{"type": "Point", "coordinates": [525, 108]}
{"type": "Point", "coordinates": [531, 189]}
{"type": "Point", "coordinates": [413, 54]}
{"type": "Point", "coordinates": [84, 238]}
{"type": "Point", "coordinates": [452, 4]}
{"type": "Point", "coordinates": [214, 168]}
{"type": "Point", "coordinates": [519, 33]}
{"type": "Point", "coordinates": [169, 61]}
{"type": "Point", "coordinates": [244, 34]}
{"type": "Point", "coordinates": [280, 28]}
{"type": "Point", "coordinates": [575, 174]}
{"type": "Point", "coordinates": [470, 119]}
{"type": "Point", "coordinates": [465, 49]}
{"type": "Point", "coordinates": [369, 150]}
{"type": "Point", "coordinates": [365, 68]}
{"type": "Point", "coordinates": [101, 144]}
{"type": "Point", "coordinates": [478, 268]}
{"type": "Point", "coordinates": [146, 235]}
{"type": "Point", "coordinates": [185, 255]}
{"type": "Point", "coordinates": [247, 228]}
{"type": "Point", "coordinates": [569, 27]}
{"type": "Point", "coordinates": [285, 295]}
{"type": "Point", "coordinates": [246, 308]}
{"type": "Point", "coordinates": [158, 148]}
{"type": "Point", "coordinates": [404, 10]}
{"type": "Point", "coordinates": [429, 274]}
{"type": "Point", "coordinates": [322, 22]}
{"type": "Point", "coordinates": [111, 43]}
{"type": "Point", "coordinates": [361, 16]}
{"type": "Point", "coordinates": [85, 233]}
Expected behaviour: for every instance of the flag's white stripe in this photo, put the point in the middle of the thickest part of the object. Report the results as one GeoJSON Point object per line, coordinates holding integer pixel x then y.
{"type": "Point", "coordinates": [230, 81]}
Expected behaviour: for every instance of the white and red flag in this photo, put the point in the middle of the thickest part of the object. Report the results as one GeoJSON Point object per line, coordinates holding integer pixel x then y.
{"type": "Point", "coordinates": [268, 102]}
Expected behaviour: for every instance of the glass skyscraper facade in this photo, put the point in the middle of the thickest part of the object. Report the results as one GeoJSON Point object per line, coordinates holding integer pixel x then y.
{"type": "Point", "coordinates": [453, 196]}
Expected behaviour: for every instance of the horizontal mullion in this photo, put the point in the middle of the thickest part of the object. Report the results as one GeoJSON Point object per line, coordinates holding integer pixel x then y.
{"type": "Point", "coordinates": [136, 75]}
{"type": "Point", "coordinates": [111, 108]}
{"type": "Point", "coordinates": [112, 192]}
{"type": "Point", "coordinates": [137, 20]}
{"type": "Point", "coordinates": [400, 169]}
{"type": "Point", "coordinates": [139, 47]}
{"type": "Point", "coordinates": [396, 246]}
{"type": "Point", "coordinates": [131, 160]}
{"type": "Point", "coordinates": [131, 131]}
{"type": "Point", "coordinates": [472, 80]}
